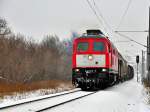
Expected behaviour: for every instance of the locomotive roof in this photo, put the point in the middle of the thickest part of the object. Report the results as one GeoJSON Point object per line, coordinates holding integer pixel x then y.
{"type": "Point", "coordinates": [85, 35]}
{"type": "Point", "coordinates": [93, 33]}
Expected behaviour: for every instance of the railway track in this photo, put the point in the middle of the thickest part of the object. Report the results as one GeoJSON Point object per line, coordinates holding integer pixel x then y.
{"type": "Point", "coordinates": [46, 103]}
{"type": "Point", "coordinates": [50, 107]}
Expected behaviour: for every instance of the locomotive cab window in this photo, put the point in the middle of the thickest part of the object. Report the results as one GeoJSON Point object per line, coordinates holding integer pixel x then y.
{"type": "Point", "coordinates": [99, 46]}
{"type": "Point", "coordinates": [82, 46]}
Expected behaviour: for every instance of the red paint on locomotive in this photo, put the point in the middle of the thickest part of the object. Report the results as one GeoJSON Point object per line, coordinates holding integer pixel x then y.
{"type": "Point", "coordinates": [96, 61]}
{"type": "Point", "coordinates": [110, 52]}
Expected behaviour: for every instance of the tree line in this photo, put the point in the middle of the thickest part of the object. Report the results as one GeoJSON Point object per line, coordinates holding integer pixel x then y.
{"type": "Point", "coordinates": [26, 61]}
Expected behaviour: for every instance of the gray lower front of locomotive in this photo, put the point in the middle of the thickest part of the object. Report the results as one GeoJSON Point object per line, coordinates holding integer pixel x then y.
{"type": "Point", "coordinates": [91, 76]}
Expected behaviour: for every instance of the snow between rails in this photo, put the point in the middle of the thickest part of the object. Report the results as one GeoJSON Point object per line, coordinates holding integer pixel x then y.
{"type": "Point", "coordinates": [125, 97]}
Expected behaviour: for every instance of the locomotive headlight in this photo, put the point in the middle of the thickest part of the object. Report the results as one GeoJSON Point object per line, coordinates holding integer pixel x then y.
{"type": "Point", "coordinates": [90, 57]}
{"type": "Point", "coordinates": [104, 70]}
{"type": "Point", "coordinates": [77, 70]}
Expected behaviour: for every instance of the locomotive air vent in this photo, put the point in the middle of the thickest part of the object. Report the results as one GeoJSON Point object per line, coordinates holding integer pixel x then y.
{"type": "Point", "coordinates": [94, 32]}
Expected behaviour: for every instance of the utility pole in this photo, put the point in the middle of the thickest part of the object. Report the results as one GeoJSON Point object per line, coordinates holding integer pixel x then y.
{"type": "Point", "coordinates": [137, 61]}
{"type": "Point", "coordinates": [143, 66]}
{"type": "Point", "coordinates": [137, 73]}
{"type": "Point", "coordinates": [148, 50]}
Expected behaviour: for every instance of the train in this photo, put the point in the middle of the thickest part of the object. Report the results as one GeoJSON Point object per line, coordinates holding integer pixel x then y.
{"type": "Point", "coordinates": [96, 62]}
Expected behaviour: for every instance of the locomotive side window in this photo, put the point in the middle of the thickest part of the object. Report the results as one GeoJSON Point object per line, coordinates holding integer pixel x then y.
{"type": "Point", "coordinates": [82, 46]}
{"type": "Point", "coordinates": [99, 46]}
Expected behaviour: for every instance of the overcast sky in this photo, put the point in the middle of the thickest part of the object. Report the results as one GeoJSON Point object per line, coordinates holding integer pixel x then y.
{"type": "Point", "coordinates": [36, 18]}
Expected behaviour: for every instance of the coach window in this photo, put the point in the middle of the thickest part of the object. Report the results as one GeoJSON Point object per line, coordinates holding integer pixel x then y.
{"type": "Point", "coordinates": [99, 46]}
{"type": "Point", "coordinates": [82, 46]}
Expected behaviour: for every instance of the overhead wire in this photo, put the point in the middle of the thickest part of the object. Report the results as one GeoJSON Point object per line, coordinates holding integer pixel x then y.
{"type": "Point", "coordinates": [120, 22]}
{"type": "Point", "coordinates": [101, 15]}
{"type": "Point", "coordinates": [124, 14]}
{"type": "Point", "coordinates": [120, 41]}
{"type": "Point", "coordinates": [122, 35]}
{"type": "Point", "coordinates": [95, 12]}
{"type": "Point", "coordinates": [125, 36]}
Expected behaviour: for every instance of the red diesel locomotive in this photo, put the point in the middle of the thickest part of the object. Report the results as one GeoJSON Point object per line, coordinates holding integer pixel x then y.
{"type": "Point", "coordinates": [96, 62]}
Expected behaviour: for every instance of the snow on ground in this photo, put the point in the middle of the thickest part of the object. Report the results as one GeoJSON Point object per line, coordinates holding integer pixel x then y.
{"type": "Point", "coordinates": [125, 97]}
{"type": "Point", "coordinates": [21, 97]}
{"type": "Point", "coordinates": [129, 96]}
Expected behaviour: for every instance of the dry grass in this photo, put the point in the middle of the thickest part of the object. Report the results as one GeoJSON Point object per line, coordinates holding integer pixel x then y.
{"type": "Point", "coordinates": [147, 87]}
{"type": "Point", "coordinates": [146, 83]}
{"type": "Point", "coordinates": [9, 89]}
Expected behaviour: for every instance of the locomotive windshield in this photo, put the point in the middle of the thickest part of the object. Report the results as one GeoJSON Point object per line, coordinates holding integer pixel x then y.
{"type": "Point", "coordinates": [99, 46]}
{"type": "Point", "coordinates": [82, 46]}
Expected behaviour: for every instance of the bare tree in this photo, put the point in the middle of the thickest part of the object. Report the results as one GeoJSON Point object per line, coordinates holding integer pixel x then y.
{"type": "Point", "coordinates": [25, 61]}
{"type": "Point", "coordinates": [4, 29]}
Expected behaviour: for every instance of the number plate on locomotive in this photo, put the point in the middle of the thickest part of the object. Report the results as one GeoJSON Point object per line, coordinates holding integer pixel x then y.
{"type": "Point", "coordinates": [90, 71]}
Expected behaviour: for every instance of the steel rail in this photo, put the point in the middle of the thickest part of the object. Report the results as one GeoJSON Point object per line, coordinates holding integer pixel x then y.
{"type": "Point", "coordinates": [65, 102]}
{"type": "Point", "coordinates": [40, 99]}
